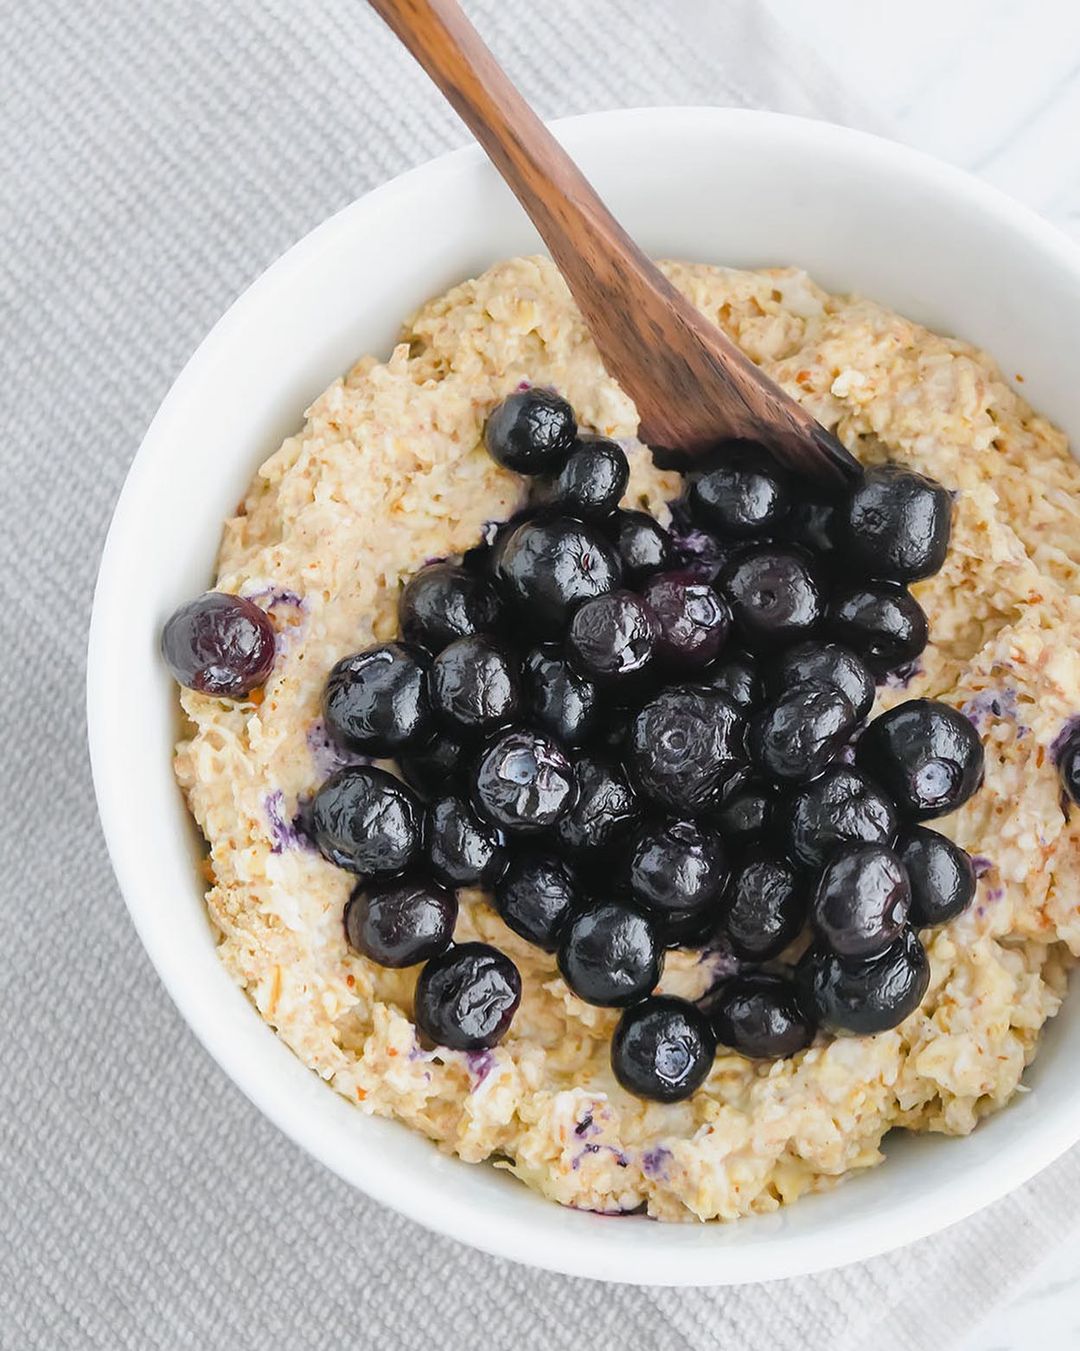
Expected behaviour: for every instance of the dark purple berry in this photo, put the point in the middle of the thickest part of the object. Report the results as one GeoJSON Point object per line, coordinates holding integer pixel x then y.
{"type": "Point", "coordinates": [467, 997]}
{"type": "Point", "coordinates": [604, 812]}
{"type": "Point", "coordinates": [463, 850]}
{"type": "Point", "coordinates": [840, 808]}
{"type": "Point", "coordinates": [797, 736]}
{"type": "Point", "coordinates": [745, 817]}
{"type": "Point", "coordinates": [610, 955]}
{"type": "Point", "coordinates": [642, 543]}
{"type": "Point", "coordinates": [745, 493]}
{"type": "Point", "coordinates": [941, 875]}
{"type": "Point", "coordinates": [534, 896]}
{"type": "Point", "coordinates": [524, 783]}
{"type": "Point", "coordinates": [592, 481]}
{"type": "Point", "coordinates": [547, 567]}
{"type": "Point", "coordinates": [683, 745]}
{"type": "Point", "coordinates": [613, 637]}
{"type": "Point", "coordinates": [561, 699]}
{"type": "Point", "coordinates": [764, 908]}
{"type": "Point", "coordinates": [220, 644]}
{"type": "Point", "coordinates": [761, 1017]}
{"type": "Point", "coordinates": [1068, 763]}
{"type": "Point", "coordinates": [694, 620]}
{"type": "Point", "coordinates": [865, 995]}
{"type": "Point", "coordinates": [442, 602]}
{"type": "Point", "coordinates": [662, 1049]}
{"type": "Point", "coordinates": [775, 596]}
{"type": "Point", "coordinates": [474, 687]}
{"type": "Point", "coordinates": [829, 662]}
{"type": "Point", "coordinates": [925, 754]}
{"type": "Point", "coordinates": [401, 922]}
{"type": "Point", "coordinates": [435, 768]}
{"type": "Point", "coordinates": [367, 822]}
{"type": "Point", "coordinates": [895, 524]}
{"type": "Point", "coordinates": [881, 622]}
{"type": "Point", "coordinates": [677, 867]}
{"type": "Point", "coordinates": [862, 900]}
{"type": "Point", "coordinates": [376, 702]}
{"type": "Point", "coordinates": [531, 432]}
{"type": "Point", "coordinates": [738, 676]}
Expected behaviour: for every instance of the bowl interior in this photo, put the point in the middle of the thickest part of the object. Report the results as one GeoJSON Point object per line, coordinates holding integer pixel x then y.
{"type": "Point", "coordinates": [718, 186]}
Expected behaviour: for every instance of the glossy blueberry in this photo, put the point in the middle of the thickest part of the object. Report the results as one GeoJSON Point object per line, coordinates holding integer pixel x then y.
{"type": "Point", "coordinates": [677, 868]}
{"type": "Point", "coordinates": [761, 1017]}
{"type": "Point", "coordinates": [813, 525]}
{"type": "Point", "coordinates": [1068, 763]}
{"type": "Point", "coordinates": [864, 995]}
{"type": "Point", "coordinates": [745, 818]}
{"type": "Point", "coordinates": [862, 900]}
{"type": "Point", "coordinates": [592, 481]}
{"type": "Point", "coordinates": [560, 698]}
{"type": "Point", "coordinates": [532, 432]}
{"type": "Point", "coordinates": [534, 896]}
{"type": "Point", "coordinates": [548, 566]}
{"type": "Point", "coordinates": [400, 922]}
{"type": "Point", "coordinates": [775, 595]}
{"type": "Point", "coordinates": [764, 907]}
{"type": "Point", "coordinates": [524, 783]}
{"type": "Point", "coordinates": [694, 619]}
{"type": "Point", "coordinates": [367, 822]}
{"type": "Point", "coordinates": [683, 744]}
{"type": "Point", "coordinates": [604, 812]}
{"type": "Point", "coordinates": [688, 928]}
{"type": "Point", "coordinates": [377, 702]}
{"type": "Point", "coordinates": [444, 601]}
{"type": "Point", "coordinates": [642, 543]}
{"type": "Point", "coordinates": [880, 622]}
{"type": "Point", "coordinates": [613, 637]}
{"type": "Point", "coordinates": [466, 998]}
{"type": "Point", "coordinates": [841, 807]}
{"type": "Point", "coordinates": [463, 851]}
{"type": "Point", "coordinates": [434, 768]}
{"type": "Point", "coordinates": [832, 663]}
{"type": "Point", "coordinates": [662, 1049]}
{"type": "Point", "coordinates": [475, 687]}
{"type": "Point", "coordinates": [610, 955]}
{"type": "Point", "coordinates": [925, 754]}
{"type": "Point", "coordinates": [219, 644]}
{"type": "Point", "coordinates": [941, 875]}
{"type": "Point", "coordinates": [737, 675]}
{"type": "Point", "coordinates": [745, 493]}
{"type": "Point", "coordinates": [796, 736]}
{"type": "Point", "coordinates": [895, 524]}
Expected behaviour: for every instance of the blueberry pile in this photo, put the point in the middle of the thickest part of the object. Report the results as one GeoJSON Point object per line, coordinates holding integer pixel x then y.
{"type": "Point", "coordinates": [635, 739]}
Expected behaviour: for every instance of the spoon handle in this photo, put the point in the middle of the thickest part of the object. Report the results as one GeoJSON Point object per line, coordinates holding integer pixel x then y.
{"type": "Point", "coordinates": [692, 386]}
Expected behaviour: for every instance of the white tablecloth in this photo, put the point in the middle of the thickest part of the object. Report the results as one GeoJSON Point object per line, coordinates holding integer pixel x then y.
{"type": "Point", "coordinates": [154, 158]}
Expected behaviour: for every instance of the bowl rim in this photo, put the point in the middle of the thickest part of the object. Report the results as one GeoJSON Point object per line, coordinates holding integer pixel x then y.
{"type": "Point", "coordinates": [865, 1236]}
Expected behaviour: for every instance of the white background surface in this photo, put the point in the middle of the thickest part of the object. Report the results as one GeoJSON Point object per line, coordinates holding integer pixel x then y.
{"type": "Point", "coordinates": [994, 86]}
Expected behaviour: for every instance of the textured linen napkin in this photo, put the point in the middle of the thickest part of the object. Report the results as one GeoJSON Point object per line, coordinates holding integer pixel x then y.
{"type": "Point", "coordinates": [154, 158]}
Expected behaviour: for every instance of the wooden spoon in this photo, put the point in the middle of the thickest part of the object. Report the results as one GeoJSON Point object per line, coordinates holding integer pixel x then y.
{"type": "Point", "coordinates": [692, 386]}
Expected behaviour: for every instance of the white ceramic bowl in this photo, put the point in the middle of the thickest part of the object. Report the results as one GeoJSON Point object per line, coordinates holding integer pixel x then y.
{"type": "Point", "coordinates": [727, 187]}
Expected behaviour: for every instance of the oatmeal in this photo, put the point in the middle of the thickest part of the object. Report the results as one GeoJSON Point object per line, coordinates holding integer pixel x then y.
{"type": "Point", "coordinates": [389, 471]}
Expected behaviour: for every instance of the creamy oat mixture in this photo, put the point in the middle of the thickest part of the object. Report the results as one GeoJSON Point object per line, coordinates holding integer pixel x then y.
{"type": "Point", "coordinates": [388, 472]}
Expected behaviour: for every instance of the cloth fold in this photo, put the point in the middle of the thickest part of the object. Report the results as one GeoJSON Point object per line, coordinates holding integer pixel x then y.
{"type": "Point", "coordinates": [153, 160]}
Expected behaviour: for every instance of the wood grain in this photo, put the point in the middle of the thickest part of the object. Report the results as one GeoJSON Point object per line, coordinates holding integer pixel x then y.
{"type": "Point", "coordinates": [692, 386]}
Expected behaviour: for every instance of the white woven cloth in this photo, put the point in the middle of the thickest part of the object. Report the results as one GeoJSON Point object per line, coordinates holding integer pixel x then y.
{"type": "Point", "coordinates": [154, 158]}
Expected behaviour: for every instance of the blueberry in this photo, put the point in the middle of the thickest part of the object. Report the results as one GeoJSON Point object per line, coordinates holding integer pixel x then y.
{"type": "Point", "coordinates": [865, 995]}
{"type": "Point", "coordinates": [683, 744]}
{"type": "Point", "coordinates": [220, 644]}
{"type": "Point", "coordinates": [474, 687]}
{"type": "Point", "coordinates": [862, 900]}
{"type": "Point", "coordinates": [377, 701]}
{"type": "Point", "coordinates": [463, 850]}
{"type": "Point", "coordinates": [605, 811]}
{"type": "Point", "coordinates": [941, 875]}
{"type": "Point", "coordinates": [367, 822]}
{"type": "Point", "coordinates": [842, 807]}
{"type": "Point", "coordinates": [744, 494]}
{"type": "Point", "coordinates": [831, 662]}
{"type": "Point", "coordinates": [764, 908]}
{"type": "Point", "coordinates": [467, 997]}
{"type": "Point", "coordinates": [613, 637]}
{"type": "Point", "coordinates": [534, 896]}
{"type": "Point", "coordinates": [524, 783]}
{"type": "Point", "coordinates": [400, 922]}
{"type": "Point", "coordinates": [547, 567]}
{"type": "Point", "coordinates": [1068, 762]}
{"type": "Point", "coordinates": [434, 768]}
{"type": "Point", "coordinates": [881, 622]}
{"type": "Point", "coordinates": [593, 480]}
{"type": "Point", "coordinates": [561, 699]}
{"type": "Point", "coordinates": [745, 818]}
{"type": "Point", "coordinates": [694, 620]}
{"type": "Point", "coordinates": [738, 676]}
{"type": "Point", "coordinates": [677, 867]}
{"type": "Point", "coordinates": [775, 595]}
{"type": "Point", "coordinates": [610, 955]}
{"type": "Point", "coordinates": [688, 928]}
{"type": "Point", "coordinates": [761, 1017]}
{"type": "Point", "coordinates": [926, 755]}
{"type": "Point", "coordinates": [612, 733]}
{"type": "Point", "coordinates": [799, 734]}
{"type": "Point", "coordinates": [532, 432]}
{"type": "Point", "coordinates": [442, 602]}
{"type": "Point", "coordinates": [642, 543]}
{"type": "Point", "coordinates": [895, 524]}
{"type": "Point", "coordinates": [662, 1049]}
{"type": "Point", "coordinates": [813, 525]}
